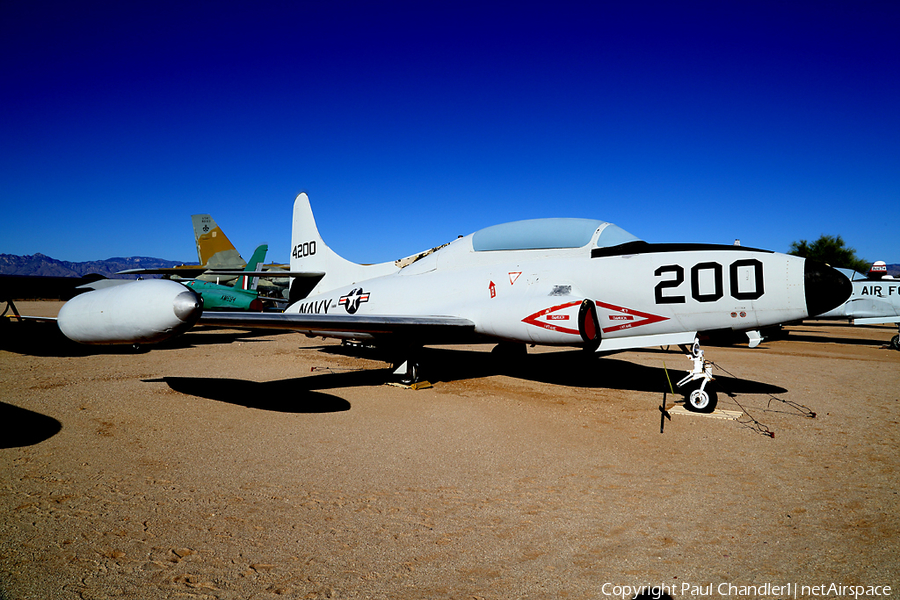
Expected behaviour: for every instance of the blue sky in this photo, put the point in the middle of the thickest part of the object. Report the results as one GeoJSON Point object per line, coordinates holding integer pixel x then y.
{"type": "Point", "coordinates": [410, 123]}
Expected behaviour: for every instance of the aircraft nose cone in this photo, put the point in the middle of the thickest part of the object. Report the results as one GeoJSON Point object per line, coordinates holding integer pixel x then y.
{"type": "Point", "coordinates": [826, 288]}
{"type": "Point", "coordinates": [188, 306]}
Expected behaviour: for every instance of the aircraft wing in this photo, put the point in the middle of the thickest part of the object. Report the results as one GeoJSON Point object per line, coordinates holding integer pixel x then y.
{"type": "Point", "coordinates": [427, 329]}
{"type": "Point", "coordinates": [33, 319]}
{"type": "Point", "coordinates": [184, 271]}
{"type": "Point", "coordinates": [270, 274]}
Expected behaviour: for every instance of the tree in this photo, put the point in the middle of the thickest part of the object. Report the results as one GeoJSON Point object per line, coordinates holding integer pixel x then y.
{"type": "Point", "coordinates": [831, 250]}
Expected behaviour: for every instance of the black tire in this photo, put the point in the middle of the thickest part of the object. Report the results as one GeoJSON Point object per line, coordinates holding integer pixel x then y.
{"type": "Point", "coordinates": [895, 342]}
{"type": "Point", "coordinates": [700, 401]}
{"type": "Point", "coordinates": [412, 374]}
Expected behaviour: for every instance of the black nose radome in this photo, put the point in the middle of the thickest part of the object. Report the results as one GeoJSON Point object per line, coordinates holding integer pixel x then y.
{"type": "Point", "coordinates": [825, 287]}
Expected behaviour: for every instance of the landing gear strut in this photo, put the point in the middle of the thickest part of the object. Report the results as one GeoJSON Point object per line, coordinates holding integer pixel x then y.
{"type": "Point", "coordinates": [698, 397]}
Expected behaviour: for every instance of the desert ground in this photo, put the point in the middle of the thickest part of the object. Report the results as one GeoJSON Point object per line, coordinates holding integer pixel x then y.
{"type": "Point", "coordinates": [229, 464]}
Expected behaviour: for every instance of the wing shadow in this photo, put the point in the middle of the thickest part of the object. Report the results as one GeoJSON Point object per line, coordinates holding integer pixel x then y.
{"type": "Point", "coordinates": [22, 427]}
{"type": "Point", "coordinates": [300, 395]}
{"type": "Point", "coordinates": [42, 339]}
{"type": "Point", "coordinates": [821, 338]}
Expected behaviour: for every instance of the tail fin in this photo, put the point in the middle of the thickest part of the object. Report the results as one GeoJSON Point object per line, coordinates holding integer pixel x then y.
{"type": "Point", "coordinates": [214, 249]}
{"type": "Point", "coordinates": [248, 282]}
{"type": "Point", "coordinates": [310, 253]}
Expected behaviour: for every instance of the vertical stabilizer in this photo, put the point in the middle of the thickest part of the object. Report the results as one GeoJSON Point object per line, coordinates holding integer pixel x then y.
{"type": "Point", "coordinates": [309, 253]}
{"type": "Point", "coordinates": [250, 282]}
{"type": "Point", "coordinates": [214, 249]}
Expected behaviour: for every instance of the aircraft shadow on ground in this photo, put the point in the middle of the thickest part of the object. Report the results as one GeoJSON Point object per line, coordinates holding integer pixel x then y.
{"type": "Point", "coordinates": [39, 339]}
{"type": "Point", "coordinates": [565, 368]}
{"type": "Point", "coordinates": [301, 395]}
{"type": "Point", "coordinates": [822, 338]}
{"type": "Point", "coordinates": [22, 427]}
{"type": "Point", "coordinates": [574, 369]}
{"type": "Point", "coordinates": [571, 368]}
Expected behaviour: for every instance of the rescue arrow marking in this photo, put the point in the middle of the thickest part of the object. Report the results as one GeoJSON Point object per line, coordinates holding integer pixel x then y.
{"type": "Point", "coordinates": [626, 316]}
{"type": "Point", "coordinates": [547, 313]}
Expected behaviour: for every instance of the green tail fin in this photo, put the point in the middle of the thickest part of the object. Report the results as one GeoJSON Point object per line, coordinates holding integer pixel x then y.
{"type": "Point", "coordinates": [247, 282]}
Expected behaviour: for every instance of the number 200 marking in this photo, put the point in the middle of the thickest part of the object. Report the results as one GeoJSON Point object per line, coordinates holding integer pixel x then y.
{"type": "Point", "coordinates": [715, 268]}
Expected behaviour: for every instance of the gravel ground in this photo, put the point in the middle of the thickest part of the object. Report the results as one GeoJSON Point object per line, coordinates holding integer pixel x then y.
{"type": "Point", "coordinates": [239, 465]}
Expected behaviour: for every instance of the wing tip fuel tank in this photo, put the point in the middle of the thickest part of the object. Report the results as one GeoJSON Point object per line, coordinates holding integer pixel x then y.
{"type": "Point", "coordinates": [143, 312]}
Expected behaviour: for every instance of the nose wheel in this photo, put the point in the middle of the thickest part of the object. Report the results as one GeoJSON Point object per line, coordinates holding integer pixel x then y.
{"type": "Point", "coordinates": [702, 401]}
{"type": "Point", "coordinates": [698, 396]}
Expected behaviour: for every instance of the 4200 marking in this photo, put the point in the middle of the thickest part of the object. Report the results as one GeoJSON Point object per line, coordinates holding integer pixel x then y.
{"type": "Point", "coordinates": [304, 249]}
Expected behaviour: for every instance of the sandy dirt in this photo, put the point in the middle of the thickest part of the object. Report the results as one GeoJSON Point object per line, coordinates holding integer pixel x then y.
{"type": "Point", "coordinates": [240, 465]}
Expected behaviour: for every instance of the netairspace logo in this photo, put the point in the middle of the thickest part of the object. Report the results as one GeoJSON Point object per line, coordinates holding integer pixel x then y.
{"type": "Point", "coordinates": [730, 590]}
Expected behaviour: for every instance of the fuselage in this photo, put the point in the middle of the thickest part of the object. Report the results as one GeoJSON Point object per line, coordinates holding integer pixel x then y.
{"type": "Point", "coordinates": [533, 295]}
{"type": "Point", "coordinates": [223, 297]}
{"type": "Point", "coordinates": [871, 299]}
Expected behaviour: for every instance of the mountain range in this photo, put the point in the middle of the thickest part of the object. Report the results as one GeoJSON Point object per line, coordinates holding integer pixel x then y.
{"type": "Point", "coordinates": [45, 266]}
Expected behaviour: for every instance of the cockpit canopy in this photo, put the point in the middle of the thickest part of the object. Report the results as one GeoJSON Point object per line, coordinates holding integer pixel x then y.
{"type": "Point", "coordinates": [543, 234]}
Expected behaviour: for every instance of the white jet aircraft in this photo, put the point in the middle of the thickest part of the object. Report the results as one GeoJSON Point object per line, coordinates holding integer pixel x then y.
{"type": "Point", "coordinates": [559, 282]}
{"type": "Point", "coordinates": [875, 300]}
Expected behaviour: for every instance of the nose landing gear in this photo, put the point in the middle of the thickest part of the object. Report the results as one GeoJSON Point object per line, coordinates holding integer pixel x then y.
{"type": "Point", "coordinates": [698, 397]}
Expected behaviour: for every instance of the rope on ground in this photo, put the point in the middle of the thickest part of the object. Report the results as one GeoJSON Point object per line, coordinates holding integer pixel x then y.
{"type": "Point", "coordinates": [751, 422]}
{"type": "Point", "coordinates": [803, 411]}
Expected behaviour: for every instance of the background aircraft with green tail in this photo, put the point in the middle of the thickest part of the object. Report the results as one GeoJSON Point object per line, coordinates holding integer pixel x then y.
{"type": "Point", "coordinates": [219, 261]}
{"type": "Point", "coordinates": [241, 295]}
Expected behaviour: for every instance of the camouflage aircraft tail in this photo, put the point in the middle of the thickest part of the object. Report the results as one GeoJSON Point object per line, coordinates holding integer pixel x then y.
{"type": "Point", "coordinates": [214, 249]}
{"type": "Point", "coordinates": [327, 270]}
